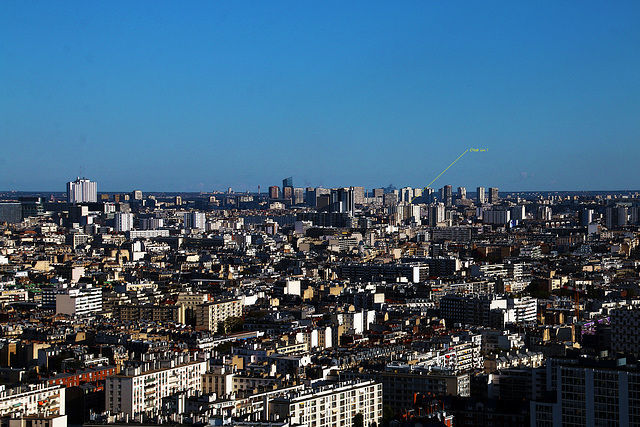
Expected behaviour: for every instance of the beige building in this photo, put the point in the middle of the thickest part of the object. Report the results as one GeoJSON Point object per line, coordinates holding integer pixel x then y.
{"type": "Point", "coordinates": [210, 314]}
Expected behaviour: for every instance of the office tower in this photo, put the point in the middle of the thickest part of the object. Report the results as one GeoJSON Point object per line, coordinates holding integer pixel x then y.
{"type": "Point", "coordinates": [462, 193]}
{"type": "Point", "coordinates": [616, 216]}
{"type": "Point", "coordinates": [82, 191]}
{"type": "Point", "coordinates": [518, 212]}
{"type": "Point", "coordinates": [493, 195]}
{"type": "Point", "coordinates": [31, 206]}
{"type": "Point", "coordinates": [178, 201]}
{"type": "Point", "coordinates": [480, 195]}
{"type": "Point", "coordinates": [341, 200]}
{"type": "Point", "coordinates": [136, 195]}
{"type": "Point", "coordinates": [427, 195]}
{"type": "Point", "coordinates": [274, 192]}
{"type": "Point", "coordinates": [195, 220]}
{"type": "Point", "coordinates": [586, 217]}
{"type": "Point", "coordinates": [287, 188]}
{"type": "Point", "coordinates": [10, 212]}
{"type": "Point", "coordinates": [436, 214]}
{"type": "Point", "coordinates": [298, 196]}
{"type": "Point", "coordinates": [544, 213]}
{"type": "Point", "coordinates": [287, 193]}
{"type": "Point", "coordinates": [406, 194]}
{"type": "Point", "coordinates": [123, 222]}
{"type": "Point", "coordinates": [358, 195]}
{"type": "Point", "coordinates": [446, 195]}
{"type": "Point", "coordinates": [378, 192]}
{"type": "Point", "coordinates": [310, 197]}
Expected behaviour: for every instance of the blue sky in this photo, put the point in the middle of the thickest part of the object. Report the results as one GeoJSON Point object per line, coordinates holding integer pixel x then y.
{"type": "Point", "coordinates": [201, 96]}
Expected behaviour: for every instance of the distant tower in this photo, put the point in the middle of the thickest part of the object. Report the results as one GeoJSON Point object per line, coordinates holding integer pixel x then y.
{"type": "Point", "coordinates": [274, 192]}
{"type": "Point", "coordinates": [287, 188]}
{"type": "Point", "coordinates": [480, 196]}
{"type": "Point", "coordinates": [82, 191]}
{"type": "Point", "coordinates": [446, 195]}
{"type": "Point", "coordinates": [462, 193]}
{"type": "Point", "coordinates": [493, 195]}
{"type": "Point", "coordinates": [178, 200]}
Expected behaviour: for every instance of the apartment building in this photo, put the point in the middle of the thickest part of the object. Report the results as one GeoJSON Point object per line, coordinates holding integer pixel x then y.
{"type": "Point", "coordinates": [331, 405]}
{"type": "Point", "coordinates": [209, 315]}
{"type": "Point", "coordinates": [137, 392]}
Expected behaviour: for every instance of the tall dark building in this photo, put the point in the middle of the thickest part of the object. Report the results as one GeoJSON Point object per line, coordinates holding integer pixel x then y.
{"type": "Point", "coordinates": [342, 200]}
{"type": "Point", "coordinates": [287, 188]}
{"type": "Point", "coordinates": [10, 212]}
{"type": "Point", "coordinates": [310, 197]}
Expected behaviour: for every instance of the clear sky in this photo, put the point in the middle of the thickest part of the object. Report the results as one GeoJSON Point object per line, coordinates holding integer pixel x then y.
{"type": "Point", "coordinates": [205, 95]}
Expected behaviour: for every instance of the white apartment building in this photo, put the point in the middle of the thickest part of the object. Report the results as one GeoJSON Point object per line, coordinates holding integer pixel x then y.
{"type": "Point", "coordinates": [123, 222]}
{"type": "Point", "coordinates": [82, 191]}
{"type": "Point", "coordinates": [138, 394]}
{"type": "Point", "coordinates": [79, 301]}
{"type": "Point", "coordinates": [330, 406]}
{"type": "Point", "coordinates": [32, 400]}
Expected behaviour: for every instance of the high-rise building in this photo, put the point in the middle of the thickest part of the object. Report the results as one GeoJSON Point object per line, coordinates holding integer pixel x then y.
{"type": "Point", "coordinates": [298, 196]}
{"type": "Point", "coordinates": [480, 196]}
{"type": "Point", "coordinates": [195, 220]}
{"type": "Point", "coordinates": [82, 191]}
{"type": "Point", "coordinates": [342, 200]}
{"type": "Point", "coordinates": [136, 195]}
{"type": "Point", "coordinates": [427, 195]}
{"type": "Point", "coordinates": [616, 216]}
{"type": "Point", "coordinates": [287, 188]}
{"type": "Point", "coordinates": [406, 194]}
{"type": "Point", "coordinates": [436, 214]}
{"type": "Point", "coordinates": [358, 195]}
{"type": "Point", "coordinates": [274, 192]}
{"type": "Point", "coordinates": [448, 196]}
{"type": "Point", "coordinates": [462, 193]}
{"type": "Point", "coordinates": [493, 195]}
{"type": "Point", "coordinates": [310, 197]}
{"type": "Point", "coordinates": [123, 222]}
{"type": "Point", "coordinates": [586, 217]}
{"type": "Point", "coordinates": [178, 201]}
{"type": "Point", "coordinates": [10, 212]}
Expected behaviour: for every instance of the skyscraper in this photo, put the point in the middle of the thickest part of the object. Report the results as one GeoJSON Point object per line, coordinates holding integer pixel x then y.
{"type": "Point", "coordinates": [446, 195]}
{"type": "Point", "coordinates": [195, 220]}
{"type": "Point", "coordinates": [123, 222]}
{"type": "Point", "coordinates": [462, 193]}
{"type": "Point", "coordinates": [287, 188]}
{"type": "Point", "coordinates": [274, 192]}
{"type": "Point", "coordinates": [341, 200]}
{"type": "Point", "coordinates": [493, 195]}
{"type": "Point", "coordinates": [480, 196]}
{"type": "Point", "coordinates": [82, 191]}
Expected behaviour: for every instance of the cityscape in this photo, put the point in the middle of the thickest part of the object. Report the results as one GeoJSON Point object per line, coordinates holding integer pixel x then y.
{"type": "Point", "coordinates": [320, 307]}
{"type": "Point", "coordinates": [319, 214]}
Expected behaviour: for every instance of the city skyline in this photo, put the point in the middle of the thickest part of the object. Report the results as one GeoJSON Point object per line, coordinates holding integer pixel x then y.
{"type": "Point", "coordinates": [209, 96]}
